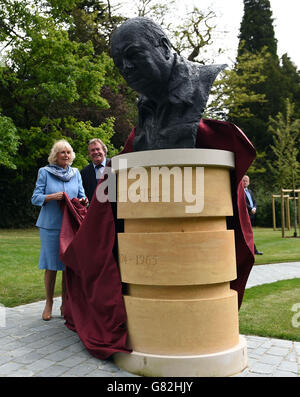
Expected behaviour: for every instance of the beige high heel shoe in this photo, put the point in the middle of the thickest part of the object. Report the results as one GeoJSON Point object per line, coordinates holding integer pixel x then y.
{"type": "Point", "coordinates": [47, 313]}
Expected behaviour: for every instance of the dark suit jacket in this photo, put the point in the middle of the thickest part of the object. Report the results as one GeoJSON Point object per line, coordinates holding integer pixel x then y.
{"type": "Point", "coordinates": [252, 216]}
{"type": "Point", "coordinates": [89, 180]}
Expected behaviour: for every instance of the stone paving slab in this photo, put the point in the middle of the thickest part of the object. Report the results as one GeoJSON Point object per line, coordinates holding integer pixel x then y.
{"type": "Point", "coordinates": [264, 274]}
{"type": "Point", "coordinates": [31, 347]}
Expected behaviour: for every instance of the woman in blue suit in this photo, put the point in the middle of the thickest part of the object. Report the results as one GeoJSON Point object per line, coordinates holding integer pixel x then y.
{"type": "Point", "coordinates": [52, 181]}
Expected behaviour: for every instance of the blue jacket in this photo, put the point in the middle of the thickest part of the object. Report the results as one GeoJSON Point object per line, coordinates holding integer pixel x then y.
{"type": "Point", "coordinates": [50, 216]}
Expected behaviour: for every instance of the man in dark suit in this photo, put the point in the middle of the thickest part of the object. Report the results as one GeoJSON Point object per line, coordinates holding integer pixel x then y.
{"type": "Point", "coordinates": [251, 205]}
{"type": "Point", "coordinates": [92, 173]}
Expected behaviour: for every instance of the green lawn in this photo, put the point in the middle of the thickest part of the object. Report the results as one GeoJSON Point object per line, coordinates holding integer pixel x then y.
{"type": "Point", "coordinates": [275, 248]}
{"type": "Point", "coordinates": [21, 281]}
{"type": "Point", "coordinates": [268, 310]}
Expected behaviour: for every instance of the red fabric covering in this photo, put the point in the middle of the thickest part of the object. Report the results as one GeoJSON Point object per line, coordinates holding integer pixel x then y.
{"type": "Point", "coordinates": [94, 306]}
{"type": "Point", "coordinates": [226, 136]}
{"type": "Point", "coordinates": [214, 134]}
{"type": "Point", "coordinates": [73, 214]}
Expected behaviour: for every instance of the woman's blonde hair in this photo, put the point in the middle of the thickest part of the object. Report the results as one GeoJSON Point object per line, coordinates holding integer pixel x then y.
{"type": "Point", "coordinates": [57, 147]}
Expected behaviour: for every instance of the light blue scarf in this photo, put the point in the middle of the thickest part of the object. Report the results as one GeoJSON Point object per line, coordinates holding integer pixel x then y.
{"type": "Point", "coordinates": [64, 174]}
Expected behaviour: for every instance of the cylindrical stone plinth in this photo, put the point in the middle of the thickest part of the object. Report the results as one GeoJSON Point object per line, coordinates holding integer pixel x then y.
{"type": "Point", "coordinates": [177, 259]}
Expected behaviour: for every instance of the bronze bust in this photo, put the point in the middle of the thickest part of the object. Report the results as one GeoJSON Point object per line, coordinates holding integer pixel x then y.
{"type": "Point", "coordinates": [173, 91]}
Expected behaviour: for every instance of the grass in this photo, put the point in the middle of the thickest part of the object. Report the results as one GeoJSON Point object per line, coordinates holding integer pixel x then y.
{"type": "Point", "coordinates": [21, 281]}
{"type": "Point", "coordinates": [275, 248]}
{"type": "Point", "coordinates": [266, 310]}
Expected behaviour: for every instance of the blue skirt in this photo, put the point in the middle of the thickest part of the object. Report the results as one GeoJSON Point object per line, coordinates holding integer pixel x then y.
{"type": "Point", "coordinates": [49, 258]}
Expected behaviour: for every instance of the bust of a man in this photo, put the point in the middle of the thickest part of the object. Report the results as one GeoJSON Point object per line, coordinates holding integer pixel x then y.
{"type": "Point", "coordinates": [173, 91]}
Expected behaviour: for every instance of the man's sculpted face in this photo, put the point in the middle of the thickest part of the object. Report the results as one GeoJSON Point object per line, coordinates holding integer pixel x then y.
{"type": "Point", "coordinates": [174, 91]}
{"type": "Point", "coordinates": [145, 67]}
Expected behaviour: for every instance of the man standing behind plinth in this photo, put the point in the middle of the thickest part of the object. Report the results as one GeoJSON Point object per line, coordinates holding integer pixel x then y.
{"type": "Point", "coordinates": [251, 205]}
{"type": "Point", "coordinates": [92, 173]}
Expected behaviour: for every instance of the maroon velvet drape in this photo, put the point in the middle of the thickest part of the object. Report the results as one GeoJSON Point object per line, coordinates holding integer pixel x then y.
{"type": "Point", "coordinates": [94, 306]}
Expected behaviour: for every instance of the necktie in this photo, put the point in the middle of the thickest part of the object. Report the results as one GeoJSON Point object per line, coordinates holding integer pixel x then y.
{"type": "Point", "coordinates": [249, 197]}
{"type": "Point", "coordinates": [98, 171]}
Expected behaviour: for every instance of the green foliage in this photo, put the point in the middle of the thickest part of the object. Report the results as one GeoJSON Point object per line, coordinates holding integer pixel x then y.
{"type": "Point", "coordinates": [257, 28]}
{"type": "Point", "coordinates": [234, 92]}
{"type": "Point", "coordinates": [281, 81]}
{"type": "Point", "coordinates": [256, 34]}
{"type": "Point", "coordinates": [263, 197]}
{"type": "Point", "coordinates": [290, 84]}
{"type": "Point", "coordinates": [81, 132]}
{"type": "Point", "coordinates": [94, 21]}
{"type": "Point", "coordinates": [78, 133]}
{"type": "Point", "coordinates": [9, 142]}
{"type": "Point", "coordinates": [285, 168]}
{"type": "Point", "coordinates": [50, 85]}
{"type": "Point", "coordinates": [258, 167]}
{"type": "Point", "coordinates": [271, 88]}
{"type": "Point", "coordinates": [283, 171]}
{"type": "Point", "coordinates": [51, 71]}
{"type": "Point", "coordinates": [52, 79]}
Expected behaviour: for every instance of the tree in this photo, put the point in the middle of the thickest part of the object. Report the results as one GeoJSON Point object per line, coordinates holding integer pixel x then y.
{"type": "Point", "coordinates": [256, 33]}
{"type": "Point", "coordinates": [89, 20]}
{"type": "Point", "coordinates": [285, 129]}
{"type": "Point", "coordinates": [190, 36]}
{"type": "Point", "coordinates": [9, 142]}
{"type": "Point", "coordinates": [51, 80]}
{"type": "Point", "coordinates": [286, 166]}
{"type": "Point", "coordinates": [158, 11]}
{"type": "Point", "coordinates": [94, 21]}
{"type": "Point", "coordinates": [256, 29]}
{"type": "Point", "coordinates": [290, 83]}
{"type": "Point", "coordinates": [281, 82]}
{"type": "Point", "coordinates": [49, 85]}
{"type": "Point", "coordinates": [233, 93]}
{"type": "Point", "coordinates": [193, 34]}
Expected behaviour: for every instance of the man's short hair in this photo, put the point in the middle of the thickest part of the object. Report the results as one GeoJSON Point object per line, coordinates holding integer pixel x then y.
{"type": "Point", "coordinates": [97, 140]}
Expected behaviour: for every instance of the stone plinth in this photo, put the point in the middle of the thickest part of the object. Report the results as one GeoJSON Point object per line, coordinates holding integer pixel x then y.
{"type": "Point", "coordinates": [177, 259]}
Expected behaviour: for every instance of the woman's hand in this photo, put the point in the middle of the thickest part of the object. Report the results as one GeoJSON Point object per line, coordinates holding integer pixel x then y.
{"type": "Point", "coordinates": [84, 201]}
{"type": "Point", "coordinates": [58, 196]}
{"type": "Point", "coordinates": [54, 196]}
